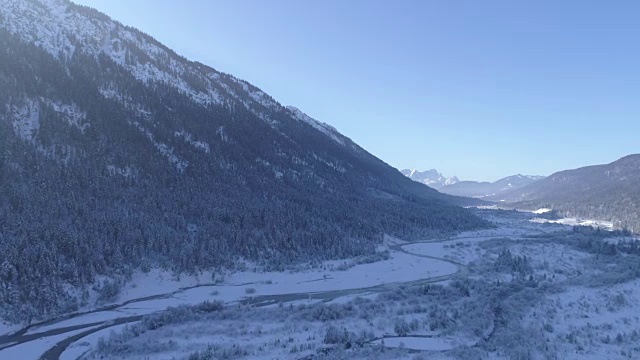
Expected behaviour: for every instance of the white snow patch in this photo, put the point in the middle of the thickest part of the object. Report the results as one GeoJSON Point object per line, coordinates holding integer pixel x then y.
{"type": "Point", "coordinates": [542, 211]}
{"type": "Point", "coordinates": [223, 134]}
{"type": "Point", "coordinates": [605, 225]}
{"type": "Point", "coordinates": [187, 137]}
{"type": "Point", "coordinates": [71, 113]}
{"type": "Point", "coordinates": [163, 149]}
{"type": "Point", "coordinates": [124, 172]}
{"type": "Point", "coordinates": [25, 119]}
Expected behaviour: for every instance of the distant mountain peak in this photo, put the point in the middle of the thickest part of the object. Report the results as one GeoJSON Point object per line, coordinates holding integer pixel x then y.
{"type": "Point", "coordinates": [484, 189]}
{"type": "Point", "coordinates": [432, 177]}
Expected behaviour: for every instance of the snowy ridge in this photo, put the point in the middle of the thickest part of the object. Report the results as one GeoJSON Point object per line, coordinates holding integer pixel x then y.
{"type": "Point", "coordinates": [329, 130]}
{"type": "Point", "coordinates": [57, 30]}
{"type": "Point", "coordinates": [51, 26]}
{"type": "Point", "coordinates": [60, 29]}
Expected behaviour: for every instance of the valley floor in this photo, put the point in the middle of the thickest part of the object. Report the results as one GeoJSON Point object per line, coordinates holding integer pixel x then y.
{"type": "Point", "coordinates": [523, 290]}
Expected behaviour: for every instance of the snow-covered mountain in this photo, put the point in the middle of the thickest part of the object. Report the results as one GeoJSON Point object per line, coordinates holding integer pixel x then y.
{"type": "Point", "coordinates": [608, 192]}
{"type": "Point", "coordinates": [475, 189]}
{"type": "Point", "coordinates": [116, 154]}
{"type": "Point", "coordinates": [431, 178]}
{"type": "Point", "coordinates": [479, 189]}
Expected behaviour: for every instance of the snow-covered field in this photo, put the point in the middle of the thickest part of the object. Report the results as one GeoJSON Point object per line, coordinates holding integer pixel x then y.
{"type": "Point", "coordinates": [400, 268]}
{"type": "Point", "coordinates": [577, 222]}
{"type": "Point", "coordinates": [35, 348]}
{"type": "Point", "coordinates": [520, 290]}
{"type": "Point", "coordinates": [8, 328]}
{"type": "Point", "coordinates": [596, 323]}
{"type": "Point", "coordinates": [78, 349]}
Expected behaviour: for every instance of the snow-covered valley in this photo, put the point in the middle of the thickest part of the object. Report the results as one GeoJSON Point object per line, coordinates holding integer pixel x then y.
{"type": "Point", "coordinates": [471, 296]}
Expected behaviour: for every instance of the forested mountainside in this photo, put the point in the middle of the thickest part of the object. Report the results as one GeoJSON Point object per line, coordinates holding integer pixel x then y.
{"type": "Point", "coordinates": [117, 154]}
{"type": "Point", "coordinates": [606, 192]}
{"type": "Point", "coordinates": [484, 189]}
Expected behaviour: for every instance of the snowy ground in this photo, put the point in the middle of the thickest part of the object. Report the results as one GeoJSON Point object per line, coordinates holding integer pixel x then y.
{"type": "Point", "coordinates": [8, 328]}
{"type": "Point", "coordinates": [34, 349]}
{"type": "Point", "coordinates": [400, 268]}
{"type": "Point", "coordinates": [547, 306]}
{"type": "Point", "coordinates": [577, 222]}
{"type": "Point", "coordinates": [78, 349]}
{"type": "Point", "coordinates": [596, 323]}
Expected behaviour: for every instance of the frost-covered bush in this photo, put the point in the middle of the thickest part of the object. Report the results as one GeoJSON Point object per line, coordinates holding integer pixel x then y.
{"type": "Point", "coordinates": [329, 312]}
{"type": "Point", "coordinates": [119, 344]}
{"type": "Point", "coordinates": [439, 319]}
{"type": "Point", "coordinates": [208, 306]}
{"type": "Point", "coordinates": [335, 335]}
{"type": "Point", "coordinates": [219, 352]}
{"type": "Point", "coordinates": [401, 327]}
{"type": "Point", "coordinates": [369, 309]}
{"type": "Point", "coordinates": [363, 337]}
{"type": "Point", "coordinates": [375, 257]}
{"type": "Point", "coordinates": [466, 352]}
{"type": "Point", "coordinates": [108, 289]}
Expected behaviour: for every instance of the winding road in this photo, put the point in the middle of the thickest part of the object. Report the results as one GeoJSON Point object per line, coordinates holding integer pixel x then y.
{"type": "Point", "coordinates": [25, 336]}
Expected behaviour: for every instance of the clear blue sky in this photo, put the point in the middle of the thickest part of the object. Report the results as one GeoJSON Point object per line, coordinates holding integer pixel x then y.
{"type": "Point", "coordinates": [477, 89]}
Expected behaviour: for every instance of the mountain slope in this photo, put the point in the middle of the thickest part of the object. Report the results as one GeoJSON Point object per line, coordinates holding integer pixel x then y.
{"type": "Point", "coordinates": [117, 154]}
{"type": "Point", "coordinates": [484, 189]}
{"type": "Point", "coordinates": [431, 178]}
{"type": "Point", "coordinates": [604, 192]}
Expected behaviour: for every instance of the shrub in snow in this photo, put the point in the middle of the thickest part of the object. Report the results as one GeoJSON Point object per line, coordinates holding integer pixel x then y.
{"type": "Point", "coordinates": [335, 335]}
{"type": "Point", "coordinates": [208, 306]}
{"type": "Point", "coordinates": [108, 290]}
{"type": "Point", "coordinates": [401, 327]}
{"type": "Point", "coordinates": [329, 312]}
{"type": "Point", "coordinates": [215, 352]}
